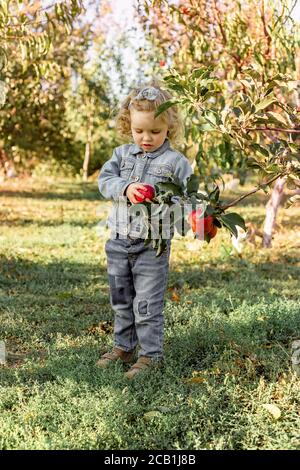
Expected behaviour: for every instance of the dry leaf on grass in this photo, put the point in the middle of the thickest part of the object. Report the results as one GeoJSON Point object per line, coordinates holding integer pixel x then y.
{"type": "Point", "coordinates": [152, 414]}
{"type": "Point", "coordinates": [272, 409]}
{"type": "Point", "coordinates": [175, 297]}
{"type": "Point", "coordinates": [194, 380]}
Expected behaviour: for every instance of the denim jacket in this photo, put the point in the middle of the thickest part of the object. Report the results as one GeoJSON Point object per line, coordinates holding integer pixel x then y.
{"type": "Point", "coordinates": [130, 164]}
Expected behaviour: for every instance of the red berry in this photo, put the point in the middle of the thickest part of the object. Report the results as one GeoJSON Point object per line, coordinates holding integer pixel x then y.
{"type": "Point", "coordinates": [146, 193]}
{"type": "Point", "coordinates": [162, 63]}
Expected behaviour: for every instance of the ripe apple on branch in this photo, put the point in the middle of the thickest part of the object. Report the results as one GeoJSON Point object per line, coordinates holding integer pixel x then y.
{"type": "Point", "coordinates": [204, 221]}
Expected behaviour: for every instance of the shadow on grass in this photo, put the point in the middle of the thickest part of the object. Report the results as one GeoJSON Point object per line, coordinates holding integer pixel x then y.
{"type": "Point", "coordinates": [49, 223]}
{"type": "Point", "coordinates": [79, 191]}
{"type": "Point", "coordinates": [39, 302]}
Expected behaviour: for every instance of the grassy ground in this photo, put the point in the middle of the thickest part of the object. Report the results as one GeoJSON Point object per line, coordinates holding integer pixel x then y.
{"type": "Point", "coordinates": [229, 322]}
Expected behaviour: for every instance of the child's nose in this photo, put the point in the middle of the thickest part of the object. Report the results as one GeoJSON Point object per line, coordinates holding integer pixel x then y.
{"type": "Point", "coordinates": [147, 137]}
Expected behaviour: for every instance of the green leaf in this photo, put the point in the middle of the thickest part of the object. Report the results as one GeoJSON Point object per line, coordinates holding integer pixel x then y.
{"type": "Point", "coordinates": [192, 185]}
{"type": "Point", "coordinates": [209, 210]}
{"type": "Point", "coordinates": [247, 84]}
{"type": "Point", "coordinates": [265, 103]}
{"type": "Point", "coordinates": [202, 197]}
{"type": "Point", "coordinates": [203, 72]}
{"type": "Point", "coordinates": [164, 106]}
{"type": "Point", "coordinates": [217, 223]}
{"type": "Point", "coordinates": [276, 117]}
{"type": "Point", "coordinates": [231, 220]}
{"type": "Point", "coordinates": [237, 111]}
{"type": "Point", "coordinates": [211, 117]}
{"type": "Point", "coordinates": [214, 195]}
{"type": "Point", "coordinates": [172, 187]}
{"type": "Point", "coordinates": [260, 149]}
{"type": "Point", "coordinates": [206, 127]}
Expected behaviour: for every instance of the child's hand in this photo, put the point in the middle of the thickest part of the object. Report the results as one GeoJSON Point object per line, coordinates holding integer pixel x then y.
{"type": "Point", "coordinates": [132, 191]}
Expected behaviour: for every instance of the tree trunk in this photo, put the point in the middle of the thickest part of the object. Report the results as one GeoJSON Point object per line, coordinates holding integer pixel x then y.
{"type": "Point", "coordinates": [87, 155]}
{"type": "Point", "coordinates": [86, 161]}
{"type": "Point", "coordinates": [271, 211]}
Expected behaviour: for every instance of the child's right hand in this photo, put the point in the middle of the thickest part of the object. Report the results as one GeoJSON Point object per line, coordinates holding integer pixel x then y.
{"type": "Point", "coordinates": [132, 191]}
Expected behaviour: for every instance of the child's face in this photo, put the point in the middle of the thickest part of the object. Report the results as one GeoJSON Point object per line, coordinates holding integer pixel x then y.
{"type": "Point", "coordinates": [147, 132]}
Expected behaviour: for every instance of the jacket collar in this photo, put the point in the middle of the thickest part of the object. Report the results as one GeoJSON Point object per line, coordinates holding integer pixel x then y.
{"type": "Point", "coordinates": [135, 149]}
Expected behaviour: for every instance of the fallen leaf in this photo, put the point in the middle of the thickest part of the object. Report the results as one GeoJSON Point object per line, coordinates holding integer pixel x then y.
{"type": "Point", "coordinates": [273, 410]}
{"type": "Point", "coordinates": [102, 328]}
{"type": "Point", "coordinates": [175, 297]}
{"type": "Point", "coordinates": [194, 380]}
{"type": "Point", "coordinates": [151, 414]}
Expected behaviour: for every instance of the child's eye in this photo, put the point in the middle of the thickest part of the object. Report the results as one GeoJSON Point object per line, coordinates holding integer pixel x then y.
{"type": "Point", "coordinates": [153, 132]}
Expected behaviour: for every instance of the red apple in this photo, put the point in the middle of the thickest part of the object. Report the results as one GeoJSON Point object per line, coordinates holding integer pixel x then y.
{"type": "Point", "coordinates": [213, 232]}
{"type": "Point", "coordinates": [200, 224]}
{"type": "Point", "coordinates": [194, 220]}
{"type": "Point", "coordinates": [146, 193]}
{"type": "Point", "coordinates": [208, 223]}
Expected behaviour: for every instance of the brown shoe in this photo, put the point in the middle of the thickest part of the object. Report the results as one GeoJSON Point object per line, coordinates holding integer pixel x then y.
{"type": "Point", "coordinates": [110, 357]}
{"type": "Point", "coordinates": [142, 363]}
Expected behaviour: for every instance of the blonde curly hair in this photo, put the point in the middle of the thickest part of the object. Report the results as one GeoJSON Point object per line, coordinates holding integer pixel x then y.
{"type": "Point", "coordinates": [171, 116]}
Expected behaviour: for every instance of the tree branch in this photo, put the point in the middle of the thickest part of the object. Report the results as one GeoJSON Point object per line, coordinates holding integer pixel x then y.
{"type": "Point", "coordinates": [281, 129]}
{"type": "Point", "coordinates": [236, 201]}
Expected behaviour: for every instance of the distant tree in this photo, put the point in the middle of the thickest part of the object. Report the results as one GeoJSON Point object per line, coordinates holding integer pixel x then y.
{"type": "Point", "coordinates": [235, 69]}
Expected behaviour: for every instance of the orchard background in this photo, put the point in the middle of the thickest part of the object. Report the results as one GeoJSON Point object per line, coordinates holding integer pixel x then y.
{"type": "Point", "coordinates": [231, 314]}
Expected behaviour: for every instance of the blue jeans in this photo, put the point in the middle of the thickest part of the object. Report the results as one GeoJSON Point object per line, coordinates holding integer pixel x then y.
{"type": "Point", "coordinates": [138, 281]}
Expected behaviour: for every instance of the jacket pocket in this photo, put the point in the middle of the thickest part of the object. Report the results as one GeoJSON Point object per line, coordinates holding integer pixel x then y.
{"type": "Point", "coordinates": [126, 168]}
{"type": "Point", "coordinates": [158, 172]}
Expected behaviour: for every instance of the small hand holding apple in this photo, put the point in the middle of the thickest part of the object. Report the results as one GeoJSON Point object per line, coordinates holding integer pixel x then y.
{"type": "Point", "coordinates": [137, 192]}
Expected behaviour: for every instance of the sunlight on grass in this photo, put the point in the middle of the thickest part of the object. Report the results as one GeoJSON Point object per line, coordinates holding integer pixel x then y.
{"type": "Point", "coordinates": [229, 323]}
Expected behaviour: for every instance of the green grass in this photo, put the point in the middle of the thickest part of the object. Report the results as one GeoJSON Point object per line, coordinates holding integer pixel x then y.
{"type": "Point", "coordinates": [228, 331]}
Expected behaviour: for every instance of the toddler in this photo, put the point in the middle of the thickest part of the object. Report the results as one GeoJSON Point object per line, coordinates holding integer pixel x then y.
{"type": "Point", "coordinates": [137, 278]}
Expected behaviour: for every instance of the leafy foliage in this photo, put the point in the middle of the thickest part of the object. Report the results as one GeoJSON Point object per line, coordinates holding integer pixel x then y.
{"type": "Point", "coordinates": [240, 96]}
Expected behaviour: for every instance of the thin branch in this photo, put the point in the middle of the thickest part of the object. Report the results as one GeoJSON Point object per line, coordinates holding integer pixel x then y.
{"type": "Point", "coordinates": [266, 33]}
{"type": "Point", "coordinates": [236, 201]}
{"type": "Point", "coordinates": [281, 129]}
